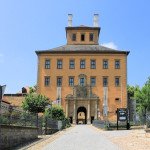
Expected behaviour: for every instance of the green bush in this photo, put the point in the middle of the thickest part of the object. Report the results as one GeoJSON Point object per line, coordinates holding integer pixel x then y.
{"type": "Point", "coordinates": [57, 113]}
{"type": "Point", "coordinates": [4, 120]}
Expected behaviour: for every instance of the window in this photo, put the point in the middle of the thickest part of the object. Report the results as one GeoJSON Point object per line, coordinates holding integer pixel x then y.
{"type": "Point", "coordinates": [71, 64]}
{"type": "Point", "coordinates": [93, 64]}
{"type": "Point", "coordinates": [117, 65]}
{"type": "Point", "coordinates": [105, 64]}
{"type": "Point", "coordinates": [104, 81]}
{"type": "Point", "coordinates": [117, 81]}
{"type": "Point", "coordinates": [82, 37]}
{"type": "Point", "coordinates": [47, 64]}
{"type": "Point", "coordinates": [73, 37]}
{"type": "Point", "coordinates": [59, 81]}
{"type": "Point", "coordinates": [59, 64]}
{"type": "Point", "coordinates": [91, 36]}
{"type": "Point", "coordinates": [47, 79]}
{"type": "Point", "coordinates": [92, 81]}
{"type": "Point", "coordinates": [71, 81]}
{"type": "Point", "coordinates": [82, 64]}
{"type": "Point", "coordinates": [82, 81]}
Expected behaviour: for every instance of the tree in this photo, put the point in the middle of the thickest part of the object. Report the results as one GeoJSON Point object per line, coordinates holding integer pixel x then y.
{"type": "Point", "coordinates": [143, 97]}
{"type": "Point", "coordinates": [33, 90]}
{"type": "Point", "coordinates": [57, 113]}
{"type": "Point", "coordinates": [131, 90]}
{"type": "Point", "coordinates": [34, 103]}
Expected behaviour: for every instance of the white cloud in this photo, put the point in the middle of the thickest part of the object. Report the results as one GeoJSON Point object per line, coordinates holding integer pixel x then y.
{"type": "Point", "coordinates": [110, 45]}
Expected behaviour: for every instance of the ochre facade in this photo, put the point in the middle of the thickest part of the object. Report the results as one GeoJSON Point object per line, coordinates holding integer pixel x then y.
{"type": "Point", "coordinates": [91, 106]}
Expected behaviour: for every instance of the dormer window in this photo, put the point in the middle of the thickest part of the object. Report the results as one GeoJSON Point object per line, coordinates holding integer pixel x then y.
{"type": "Point", "coordinates": [73, 37]}
{"type": "Point", "coordinates": [91, 36]}
{"type": "Point", "coordinates": [82, 37]}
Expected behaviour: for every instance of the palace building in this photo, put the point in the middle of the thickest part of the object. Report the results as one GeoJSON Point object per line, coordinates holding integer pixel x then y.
{"type": "Point", "coordinates": [88, 80]}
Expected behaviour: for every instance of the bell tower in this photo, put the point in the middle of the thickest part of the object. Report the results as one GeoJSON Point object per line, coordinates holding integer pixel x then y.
{"type": "Point", "coordinates": [83, 34]}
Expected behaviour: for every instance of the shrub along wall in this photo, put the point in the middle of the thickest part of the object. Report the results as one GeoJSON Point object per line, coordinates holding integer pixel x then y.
{"type": "Point", "coordinates": [15, 135]}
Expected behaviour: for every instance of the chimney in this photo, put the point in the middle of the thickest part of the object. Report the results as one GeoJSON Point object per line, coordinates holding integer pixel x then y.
{"type": "Point", "coordinates": [69, 20]}
{"type": "Point", "coordinates": [96, 20]}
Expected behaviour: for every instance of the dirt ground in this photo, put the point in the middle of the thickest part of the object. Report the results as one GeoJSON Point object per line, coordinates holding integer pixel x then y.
{"type": "Point", "coordinates": [135, 141]}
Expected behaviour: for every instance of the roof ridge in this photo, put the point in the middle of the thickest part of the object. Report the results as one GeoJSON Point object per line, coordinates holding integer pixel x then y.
{"type": "Point", "coordinates": [82, 48]}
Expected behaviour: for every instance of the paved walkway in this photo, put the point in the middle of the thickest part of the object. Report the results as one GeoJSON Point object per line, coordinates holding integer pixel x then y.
{"type": "Point", "coordinates": [82, 137]}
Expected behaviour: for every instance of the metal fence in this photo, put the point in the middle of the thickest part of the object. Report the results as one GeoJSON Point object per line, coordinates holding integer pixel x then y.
{"type": "Point", "coordinates": [10, 115]}
{"type": "Point", "coordinates": [142, 118]}
{"type": "Point", "coordinates": [15, 116]}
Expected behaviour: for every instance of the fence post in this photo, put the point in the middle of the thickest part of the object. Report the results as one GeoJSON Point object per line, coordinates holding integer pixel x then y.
{"type": "Point", "coordinates": [46, 126]}
{"type": "Point", "coordinates": [10, 111]}
{"type": "Point", "coordinates": [146, 118]}
{"type": "Point", "coordinates": [37, 120]}
{"type": "Point", "coordinates": [25, 118]}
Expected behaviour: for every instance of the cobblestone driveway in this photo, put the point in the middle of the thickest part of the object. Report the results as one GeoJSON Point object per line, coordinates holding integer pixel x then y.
{"type": "Point", "coordinates": [82, 137]}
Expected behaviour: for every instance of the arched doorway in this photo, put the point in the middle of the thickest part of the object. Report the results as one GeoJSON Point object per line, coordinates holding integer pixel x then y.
{"type": "Point", "coordinates": [81, 115]}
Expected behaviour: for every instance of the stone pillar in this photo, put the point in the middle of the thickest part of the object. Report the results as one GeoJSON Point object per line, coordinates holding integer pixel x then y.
{"type": "Point", "coordinates": [89, 114]}
{"type": "Point", "coordinates": [95, 118]}
{"type": "Point", "coordinates": [66, 108]}
{"type": "Point", "coordinates": [74, 113]}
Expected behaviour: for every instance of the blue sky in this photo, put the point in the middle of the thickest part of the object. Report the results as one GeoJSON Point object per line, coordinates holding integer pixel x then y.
{"type": "Point", "coordinates": [29, 25]}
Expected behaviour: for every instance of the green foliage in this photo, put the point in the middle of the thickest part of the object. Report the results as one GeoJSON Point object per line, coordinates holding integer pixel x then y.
{"type": "Point", "coordinates": [4, 120]}
{"type": "Point", "coordinates": [131, 90]}
{"type": "Point", "coordinates": [57, 113]}
{"type": "Point", "coordinates": [15, 114]}
{"type": "Point", "coordinates": [35, 104]}
{"type": "Point", "coordinates": [65, 127]}
{"type": "Point", "coordinates": [33, 90]}
{"type": "Point", "coordinates": [142, 97]}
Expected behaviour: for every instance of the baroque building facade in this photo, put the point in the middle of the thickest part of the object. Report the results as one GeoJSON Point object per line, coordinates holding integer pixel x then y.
{"type": "Point", "coordinates": [83, 77]}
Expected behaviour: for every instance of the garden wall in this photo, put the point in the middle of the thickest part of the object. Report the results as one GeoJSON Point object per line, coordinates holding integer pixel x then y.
{"type": "Point", "coordinates": [15, 135]}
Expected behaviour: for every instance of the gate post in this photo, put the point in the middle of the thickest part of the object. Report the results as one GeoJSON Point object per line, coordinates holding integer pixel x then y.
{"type": "Point", "coordinates": [46, 126]}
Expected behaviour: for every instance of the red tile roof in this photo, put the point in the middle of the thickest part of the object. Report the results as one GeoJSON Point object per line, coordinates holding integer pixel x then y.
{"type": "Point", "coordinates": [27, 88]}
{"type": "Point", "coordinates": [5, 100]}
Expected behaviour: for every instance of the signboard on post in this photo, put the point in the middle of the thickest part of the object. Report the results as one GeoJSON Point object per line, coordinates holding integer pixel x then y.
{"type": "Point", "coordinates": [105, 110]}
{"type": "Point", "coordinates": [49, 106]}
{"type": "Point", "coordinates": [53, 102]}
{"type": "Point", "coordinates": [123, 115]}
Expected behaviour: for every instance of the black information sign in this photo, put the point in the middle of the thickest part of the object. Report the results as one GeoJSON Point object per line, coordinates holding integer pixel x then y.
{"type": "Point", "coordinates": [123, 115]}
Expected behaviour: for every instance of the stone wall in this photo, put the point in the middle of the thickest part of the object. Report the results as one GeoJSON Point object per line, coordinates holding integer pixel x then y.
{"type": "Point", "coordinates": [15, 135]}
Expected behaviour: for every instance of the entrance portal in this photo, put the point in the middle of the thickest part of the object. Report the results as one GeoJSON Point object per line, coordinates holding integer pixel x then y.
{"type": "Point", "coordinates": [81, 115]}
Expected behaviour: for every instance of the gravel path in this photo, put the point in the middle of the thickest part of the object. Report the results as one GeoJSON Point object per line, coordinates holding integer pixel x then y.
{"type": "Point", "coordinates": [82, 137]}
